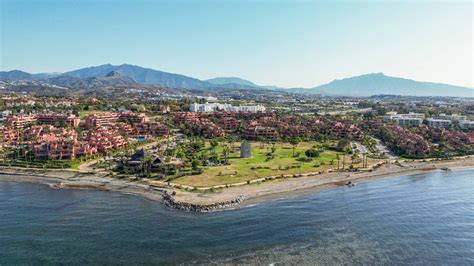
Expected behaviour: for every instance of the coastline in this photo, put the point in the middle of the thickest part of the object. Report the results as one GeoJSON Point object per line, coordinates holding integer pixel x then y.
{"type": "Point", "coordinates": [362, 178]}
{"type": "Point", "coordinates": [248, 194]}
{"type": "Point", "coordinates": [77, 180]}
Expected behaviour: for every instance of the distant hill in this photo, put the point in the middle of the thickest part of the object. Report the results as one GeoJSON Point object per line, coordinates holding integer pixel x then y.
{"type": "Point", "coordinates": [378, 83]}
{"type": "Point", "coordinates": [22, 75]}
{"type": "Point", "coordinates": [115, 78]}
{"type": "Point", "coordinates": [235, 82]}
{"type": "Point", "coordinates": [110, 80]}
{"type": "Point", "coordinates": [15, 75]}
{"type": "Point", "coordinates": [142, 75]}
{"type": "Point", "coordinates": [46, 75]}
{"type": "Point", "coordinates": [231, 80]}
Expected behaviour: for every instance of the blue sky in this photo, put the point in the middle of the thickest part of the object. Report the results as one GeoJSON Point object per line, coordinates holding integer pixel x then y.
{"type": "Point", "coordinates": [284, 43]}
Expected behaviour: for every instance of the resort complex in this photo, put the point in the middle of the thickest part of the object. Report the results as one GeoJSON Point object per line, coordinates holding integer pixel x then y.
{"type": "Point", "coordinates": [200, 145]}
{"type": "Point", "coordinates": [66, 137]}
{"type": "Point", "coordinates": [204, 132]}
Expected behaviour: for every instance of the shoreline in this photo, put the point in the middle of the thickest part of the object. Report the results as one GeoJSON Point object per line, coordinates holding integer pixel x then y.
{"type": "Point", "coordinates": [76, 180]}
{"type": "Point", "coordinates": [226, 199]}
{"type": "Point", "coordinates": [258, 199]}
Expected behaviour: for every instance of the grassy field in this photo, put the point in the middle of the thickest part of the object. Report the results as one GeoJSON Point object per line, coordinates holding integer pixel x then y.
{"type": "Point", "coordinates": [83, 114]}
{"type": "Point", "coordinates": [241, 170]}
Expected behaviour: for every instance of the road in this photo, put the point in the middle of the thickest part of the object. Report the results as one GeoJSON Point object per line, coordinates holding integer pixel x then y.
{"type": "Point", "coordinates": [362, 149]}
{"type": "Point", "coordinates": [382, 149]}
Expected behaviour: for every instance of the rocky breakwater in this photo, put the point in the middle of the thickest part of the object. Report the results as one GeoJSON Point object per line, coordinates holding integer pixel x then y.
{"type": "Point", "coordinates": [171, 203]}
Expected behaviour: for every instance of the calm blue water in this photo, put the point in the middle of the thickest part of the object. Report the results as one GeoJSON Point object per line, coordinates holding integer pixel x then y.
{"type": "Point", "coordinates": [424, 219]}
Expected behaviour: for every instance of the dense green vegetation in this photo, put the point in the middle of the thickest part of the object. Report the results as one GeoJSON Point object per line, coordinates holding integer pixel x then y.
{"type": "Point", "coordinates": [267, 160]}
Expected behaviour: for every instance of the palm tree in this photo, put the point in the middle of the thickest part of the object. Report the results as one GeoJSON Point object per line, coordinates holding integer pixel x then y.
{"type": "Point", "coordinates": [343, 160]}
{"type": "Point", "coordinates": [225, 153]}
{"type": "Point", "coordinates": [261, 140]}
{"type": "Point", "coordinates": [232, 141]}
{"type": "Point", "coordinates": [147, 161]}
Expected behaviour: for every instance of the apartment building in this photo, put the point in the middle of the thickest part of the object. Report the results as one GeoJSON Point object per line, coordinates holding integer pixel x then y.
{"type": "Point", "coordinates": [258, 132]}
{"type": "Point", "coordinates": [19, 121]}
{"type": "Point", "coordinates": [438, 123]}
{"type": "Point", "coordinates": [216, 107]}
{"type": "Point", "coordinates": [62, 120]}
{"type": "Point", "coordinates": [405, 120]}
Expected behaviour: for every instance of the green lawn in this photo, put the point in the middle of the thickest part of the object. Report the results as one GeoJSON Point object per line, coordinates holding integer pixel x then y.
{"type": "Point", "coordinates": [241, 170]}
{"type": "Point", "coordinates": [83, 114]}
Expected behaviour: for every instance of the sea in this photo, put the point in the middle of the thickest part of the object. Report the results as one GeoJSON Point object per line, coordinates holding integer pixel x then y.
{"type": "Point", "coordinates": [424, 219]}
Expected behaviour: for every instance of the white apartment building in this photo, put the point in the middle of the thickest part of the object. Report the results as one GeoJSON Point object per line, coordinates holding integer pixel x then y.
{"type": "Point", "coordinates": [466, 124]}
{"type": "Point", "coordinates": [408, 122]}
{"type": "Point", "coordinates": [389, 116]}
{"type": "Point", "coordinates": [207, 107]}
{"type": "Point", "coordinates": [214, 107]}
{"type": "Point", "coordinates": [438, 123]}
{"type": "Point", "coordinates": [405, 120]}
{"type": "Point", "coordinates": [443, 121]}
{"type": "Point", "coordinates": [453, 117]}
{"type": "Point", "coordinates": [4, 114]}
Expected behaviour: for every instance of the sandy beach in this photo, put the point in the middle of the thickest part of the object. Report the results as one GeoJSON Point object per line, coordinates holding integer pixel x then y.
{"type": "Point", "coordinates": [276, 189]}
{"type": "Point", "coordinates": [252, 194]}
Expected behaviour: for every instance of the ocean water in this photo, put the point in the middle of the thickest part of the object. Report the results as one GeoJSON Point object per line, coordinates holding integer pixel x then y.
{"type": "Point", "coordinates": [425, 219]}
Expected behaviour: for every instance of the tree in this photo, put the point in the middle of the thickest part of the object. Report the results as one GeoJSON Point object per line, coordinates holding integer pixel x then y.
{"type": "Point", "coordinates": [343, 160]}
{"type": "Point", "coordinates": [225, 153]}
{"type": "Point", "coordinates": [196, 146]}
{"type": "Point", "coordinates": [181, 154]}
{"type": "Point", "coordinates": [194, 164]}
{"type": "Point", "coordinates": [261, 140]}
{"type": "Point", "coordinates": [147, 161]}
{"type": "Point", "coordinates": [295, 141]}
{"type": "Point", "coordinates": [342, 144]}
{"type": "Point", "coordinates": [232, 140]}
{"type": "Point", "coordinates": [354, 156]}
{"type": "Point", "coordinates": [311, 153]}
{"type": "Point", "coordinates": [214, 144]}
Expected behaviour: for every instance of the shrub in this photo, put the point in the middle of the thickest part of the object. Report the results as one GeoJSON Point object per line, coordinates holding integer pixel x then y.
{"type": "Point", "coordinates": [311, 153]}
{"type": "Point", "coordinates": [304, 159]}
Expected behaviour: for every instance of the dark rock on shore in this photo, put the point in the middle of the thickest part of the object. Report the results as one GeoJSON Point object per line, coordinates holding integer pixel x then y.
{"type": "Point", "coordinates": [171, 203]}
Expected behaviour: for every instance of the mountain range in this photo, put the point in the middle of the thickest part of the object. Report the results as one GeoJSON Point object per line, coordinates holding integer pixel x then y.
{"type": "Point", "coordinates": [231, 80]}
{"type": "Point", "coordinates": [142, 75]}
{"type": "Point", "coordinates": [114, 75]}
{"type": "Point", "coordinates": [111, 79]}
{"type": "Point", "coordinates": [378, 83]}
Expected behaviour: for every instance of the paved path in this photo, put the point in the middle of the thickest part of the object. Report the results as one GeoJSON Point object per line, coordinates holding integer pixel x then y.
{"type": "Point", "coordinates": [362, 149]}
{"type": "Point", "coordinates": [384, 150]}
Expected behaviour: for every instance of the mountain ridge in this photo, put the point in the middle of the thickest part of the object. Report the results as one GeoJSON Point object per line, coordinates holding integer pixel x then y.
{"type": "Point", "coordinates": [126, 74]}
{"type": "Point", "coordinates": [111, 79]}
{"type": "Point", "coordinates": [15, 75]}
{"type": "Point", "coordinates": [231, 80]}
{"type": "Point", "coordinates": [142, 75]}
{"type": "Point", "coordinates": [379, 83]}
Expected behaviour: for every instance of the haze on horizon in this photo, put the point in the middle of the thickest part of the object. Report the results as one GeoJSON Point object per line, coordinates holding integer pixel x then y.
{"type": "Point", "coordinates": [283, 43]}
